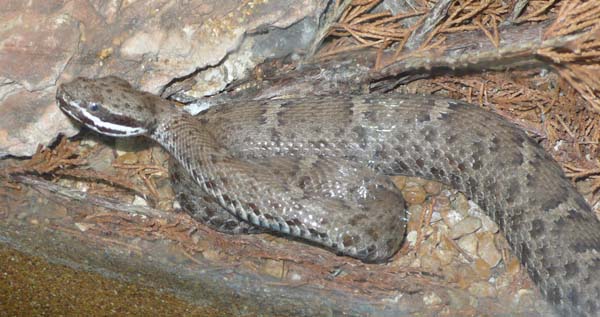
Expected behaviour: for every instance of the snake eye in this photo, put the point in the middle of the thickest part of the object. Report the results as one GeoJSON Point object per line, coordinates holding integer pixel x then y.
{"type": "Point", "coordinates": [93, 106]}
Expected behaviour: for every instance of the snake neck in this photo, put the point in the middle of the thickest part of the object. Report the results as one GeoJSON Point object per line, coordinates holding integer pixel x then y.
{"type": "Point", "coordinates": [190, 143]}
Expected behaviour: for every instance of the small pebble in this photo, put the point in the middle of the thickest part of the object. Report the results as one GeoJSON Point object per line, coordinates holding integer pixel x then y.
{"type": "Point", "coordinates": [430, 263]}
{"type": "Point", "coordinates": [469, 244]}
{"type": "Point", "coordinates": [414, 181]}
{"type": "Point", "coordinates": [483, 269]}
{"type": "Point", "coordinates": [445, 255]}
{"type": "Point", "coordinates": [514, 266]}
{"type": "Point", "coordinates": [399, 181]}
{"type": "Point", "coordinates": [88, 142]}
{"type": "Point", "coordinates": [487, 250]}
{"type": "Point", "coordinates": [414, 194]}
{"type": "Point", "coordinates": [414, 212]}
{"type": "Point", "coordinates": [139, 201]}
{"type": "Point", "coordinates": [411, 238]}
{"type": "Point", "coordinates": [83, 226]}
{"type": "Point", "coordinates": [294, 277]}
{"type": "Point", "coordinates": [435, 217]}
{"type": "Point", "coordinates": [431, 299]}
{"type": "Point", "coordinates": [441, 202]}
{"type": "Point", "coordinates": [482, 289]}
{"type": "Point", "coordinates": [466, 226]}
{"type": "Point", "coordinates": [461, 204]}
{"type": "Point", "coordinates": [451, 217]}
{"type": "Point", "coordinates": [433, 188]}
{"type": "Point", "coordinates": [487, 224]}
{"type": "Point", "coordinates": [525, 297]}
{"type": "Point", "coordinates": [128, 158]}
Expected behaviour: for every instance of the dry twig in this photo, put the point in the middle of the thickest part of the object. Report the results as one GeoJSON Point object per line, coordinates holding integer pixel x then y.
{"type": "Point", "coordinates": [578, 61]}
{"type": "Point", "coordinates": [65, 160]}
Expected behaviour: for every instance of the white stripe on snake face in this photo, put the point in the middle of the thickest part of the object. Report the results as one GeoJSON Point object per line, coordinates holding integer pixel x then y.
{"type": "Point", "coordinates": [99, 124]}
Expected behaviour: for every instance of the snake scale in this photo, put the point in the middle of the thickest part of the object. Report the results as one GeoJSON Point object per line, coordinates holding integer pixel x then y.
{"type": "Point", "coordinates": [317, 168]}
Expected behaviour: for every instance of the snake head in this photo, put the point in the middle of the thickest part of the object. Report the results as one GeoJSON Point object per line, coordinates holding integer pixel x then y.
{"type": "Point", "coordinates": [109, 106]}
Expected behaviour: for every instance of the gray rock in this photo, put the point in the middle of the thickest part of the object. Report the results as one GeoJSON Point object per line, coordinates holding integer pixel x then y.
{"type": "Point", "coordinates": [149, 44]}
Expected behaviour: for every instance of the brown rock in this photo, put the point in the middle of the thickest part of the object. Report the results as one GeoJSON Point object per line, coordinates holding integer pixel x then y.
{"type": "Point", "coordinates": [433, 188]}
{"type": "Point", "coordinates": [487, 250]}
{"type": "Point", "coordinates": [445, 255]}
{"type": "Point", "coordinates": [451, 217]}
{"type": "Point", "coordinates": [431, 298]}
{"type": "Point", "coordinates": [128, 158]}
{"type": "Point", "coordinates": [414, 194]}
{"type": "Point", "coordinates": [399, 181]}
{"type": "Point", "coordinates": [469, 244]}
{"type": "Point", "coordinates": [461, 204]}
{"type": "Point", "coordinates": [482, 289]}
{"type": "Point", "coordinates": [482, 269]}
{"type": "Point", "coordinates": [466, 226]}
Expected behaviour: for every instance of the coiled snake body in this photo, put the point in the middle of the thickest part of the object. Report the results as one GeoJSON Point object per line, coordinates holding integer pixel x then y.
{"type": "Point", "coordinates": [317, 168]}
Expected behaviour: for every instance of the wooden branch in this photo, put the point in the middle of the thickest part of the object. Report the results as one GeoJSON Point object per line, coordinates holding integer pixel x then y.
{"type": "Point", "coordinates": [470, 51]}
{"type": "Point", "coordinates": [77, 195]}
{"type": "Point", "coordinates": [354, 72]}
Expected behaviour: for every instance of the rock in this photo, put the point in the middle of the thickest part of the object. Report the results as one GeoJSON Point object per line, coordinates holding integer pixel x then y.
{"type": "Point", "coordinates": [451, 217]}
{"type": "Point", "coordinates": [414, 194]}
{"type": "Point", "coordinates": [482, 289]}
{"type": "Point", "coordinates": [411, 238]}
{"type": "Point", "coordinates": [431, 299]}
{"type": "Point", "coordinates": [139, 201]}
{"type": "Point", "coordinates": [435, 217]}
{"type": "Point", "coordinates": [415, 181]}
{"type": "Point", "coordinates": [88, 142]}
{"type": "Point", "coordinates": [83, 226]}
{"type": "Point", "coordinates": [127, 158]}
{"type": "Point", "coordinates": [293, 276]}
{"type": "Point", "coordinates": [482, 269]}
{"type": "Point", "coordinates": [469, 244]}
{"type": "Point", "coordinates": [487, 250]}
{"type": "Point", "coordinates": [36, 43]}
{"type": "Point", "coordinates": [433, 188]}
{"type": "Point", "coordinates": [399, 181]}
{"type": "Point", "coordinates": [445, 255]}
{"type": "Point", "coordinates": [461, 204]}
{"type": "Point", "coordinates": [525, 298]}
{"type": "Point", "coordinates": [414, 214]}
{"type": "Point", "coordinates": [102, 161]}
{"type": "Point", "coordinates": [466, 226]}
{"type": "Point", "coordinates": [28, 119]}
{"type": "Point", "coordinates": [487, 224]}
{"type": "Point", "coordinates": [514, 266]}
{"type": "Point", "coordinates": [127, 145]}
{"type": "Point", "coordinates": [430, 263]}
{"type": "Point", "coordinates": [43, 45]}
{"type": "Point", "coordinates": [212, 255]}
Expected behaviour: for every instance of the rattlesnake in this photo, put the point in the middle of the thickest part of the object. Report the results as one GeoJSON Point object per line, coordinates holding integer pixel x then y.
{"type": "Point", "coordinates": [316, 168]}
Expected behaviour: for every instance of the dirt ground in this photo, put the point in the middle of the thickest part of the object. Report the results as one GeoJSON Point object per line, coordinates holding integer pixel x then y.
{"type": "Point", "coordinates": [30, 286]}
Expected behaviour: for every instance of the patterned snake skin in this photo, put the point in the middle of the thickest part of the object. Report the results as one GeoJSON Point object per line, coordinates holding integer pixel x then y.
{"type": "Point", "coordinates": [316, 168]}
